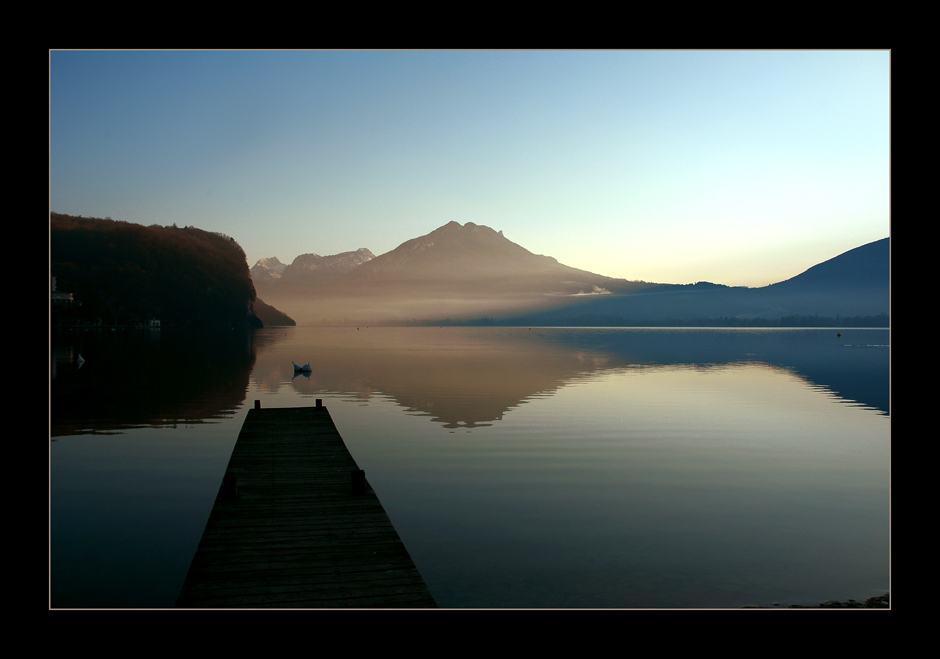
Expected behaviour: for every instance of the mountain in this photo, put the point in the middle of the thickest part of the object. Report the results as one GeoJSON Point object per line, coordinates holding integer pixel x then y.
{"type": "Point", "coordinates": [305, 272]}
{"type": "Point", "coordinates": [267, 269]}
{"type": "Point", "coordinates": [855, 284]}
{"type": "Point", "coordinates": [474, 260]}
{"type": "Point", "coordinates": [459, 273]}
{"type": "Point", "coordinates": [313, 267]}
{"type": "Point", "coordinates": [865, 267]}
{"type": "Point", "coordinates": [456, 271]}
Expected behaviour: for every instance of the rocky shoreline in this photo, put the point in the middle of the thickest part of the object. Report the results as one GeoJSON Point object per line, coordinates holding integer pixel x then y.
{"type": "Point", "coordinates": [880, 602]}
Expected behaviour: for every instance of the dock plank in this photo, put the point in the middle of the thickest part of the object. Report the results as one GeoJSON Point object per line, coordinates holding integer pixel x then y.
{"type": "Point", "coordinates": [295, 535]}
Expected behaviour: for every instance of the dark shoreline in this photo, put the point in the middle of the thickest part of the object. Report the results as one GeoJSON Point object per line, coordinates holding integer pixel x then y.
{"type": "Point", "coordinates": [880, 602]}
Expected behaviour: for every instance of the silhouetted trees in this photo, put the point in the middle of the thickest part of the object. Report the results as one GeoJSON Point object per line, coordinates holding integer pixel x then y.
{"type": "Point", "coordinates": [123, 273]}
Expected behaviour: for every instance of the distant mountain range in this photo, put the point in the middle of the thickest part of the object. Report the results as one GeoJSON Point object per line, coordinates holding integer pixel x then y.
{"type": "Point", "coordinates": [470, 273]}
{"type": "Point", "coordinates": [308, 269]}
{"type": "Point", "coordinates": [852, 288]}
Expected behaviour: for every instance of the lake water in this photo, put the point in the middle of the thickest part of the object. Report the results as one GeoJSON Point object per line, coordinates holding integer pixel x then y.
{"type": "Point", "coordinates": [542, 467]}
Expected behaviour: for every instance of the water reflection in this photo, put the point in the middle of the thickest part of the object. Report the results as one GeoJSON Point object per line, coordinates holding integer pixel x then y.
{"type": "Point", "coordinates": [852, 363]}
{"type": "Point", "coordinates": [455, 377]}
{"type": "Point", "coordinates": [458, 377]}
{"type": "Point", "coordinates": [153, 378]}
{"type": "Point", "coordinates": [607, 467]}
{"type": "Point", "coordinates": [471, 377]}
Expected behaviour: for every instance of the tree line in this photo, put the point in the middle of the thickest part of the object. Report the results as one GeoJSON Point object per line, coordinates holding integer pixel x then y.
{"type": "Point", "coordinates": [121, 273]}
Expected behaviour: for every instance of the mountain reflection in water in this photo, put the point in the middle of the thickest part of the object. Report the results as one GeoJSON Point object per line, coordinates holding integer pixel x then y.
{"type": "Point", "coordinates": [600, 467]}
{"type": "Point", "coordinates": [459, 377]}
{"type": "Point", "coordinates": [469, 377]}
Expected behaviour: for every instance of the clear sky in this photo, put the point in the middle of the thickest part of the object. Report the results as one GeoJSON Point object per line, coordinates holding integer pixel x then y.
{"type": "Point", "coordinates": [736, 167]}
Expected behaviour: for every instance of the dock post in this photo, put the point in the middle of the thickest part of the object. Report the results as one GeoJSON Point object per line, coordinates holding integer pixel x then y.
{"type": "Point", "coordinates": [257, 404]}
{"type": "Point", "coordinates": [319, 403]}
{"type": "Point", "coordinates": [358, 481]}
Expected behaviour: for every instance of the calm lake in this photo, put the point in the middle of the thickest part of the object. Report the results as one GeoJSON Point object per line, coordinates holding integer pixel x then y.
{"type": "Point", "coordinates": [542, 467]}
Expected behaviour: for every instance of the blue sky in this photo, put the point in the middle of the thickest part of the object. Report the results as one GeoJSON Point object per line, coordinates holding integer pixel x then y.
{"type": "Point", "coordinates": [736, 167]}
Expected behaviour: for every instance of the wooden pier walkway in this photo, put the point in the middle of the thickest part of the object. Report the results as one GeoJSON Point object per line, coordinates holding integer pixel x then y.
{"type": "Point", "coordinates": [295, 524]}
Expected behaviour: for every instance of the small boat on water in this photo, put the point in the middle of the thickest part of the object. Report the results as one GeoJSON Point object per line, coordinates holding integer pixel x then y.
{"type": "Point", "coordinates": [303, 369]}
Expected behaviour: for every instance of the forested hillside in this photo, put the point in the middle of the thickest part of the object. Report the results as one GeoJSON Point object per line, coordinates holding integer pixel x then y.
{"type": "Point", "coordinates": [123, 273]}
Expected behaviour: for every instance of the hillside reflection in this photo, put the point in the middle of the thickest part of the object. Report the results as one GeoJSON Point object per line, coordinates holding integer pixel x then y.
{"type": "Point", "coordinates": [458, 377]}
{"type": "Point", "coordinates": [470, 377]}
{"type": "Point", "coordinates": [133, 378]}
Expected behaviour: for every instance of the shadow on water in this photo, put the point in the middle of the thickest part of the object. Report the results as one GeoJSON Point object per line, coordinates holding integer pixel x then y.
{"type": "Point", "coordinates": [132, 378]}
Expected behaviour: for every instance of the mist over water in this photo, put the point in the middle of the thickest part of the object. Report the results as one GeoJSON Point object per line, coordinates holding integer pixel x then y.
{"type": "Point", "coordinates": [542, 467]}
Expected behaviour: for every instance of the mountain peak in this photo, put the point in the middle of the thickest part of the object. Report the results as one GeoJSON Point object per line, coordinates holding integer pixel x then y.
{"type": "Point", "coordinates": [467, 231]}
{"type": "Point", "coordinates": [267, 269]}
{"type": "Point", "coordinates": [470, 257]}
{"type": "Point", "coordinates": [271, 263]}
{"type": "Point", "coordinates": [456, 227]}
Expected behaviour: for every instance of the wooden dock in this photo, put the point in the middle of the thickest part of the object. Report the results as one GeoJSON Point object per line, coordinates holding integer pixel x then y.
{"type": "Point", "coordinates": [295, 524]}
